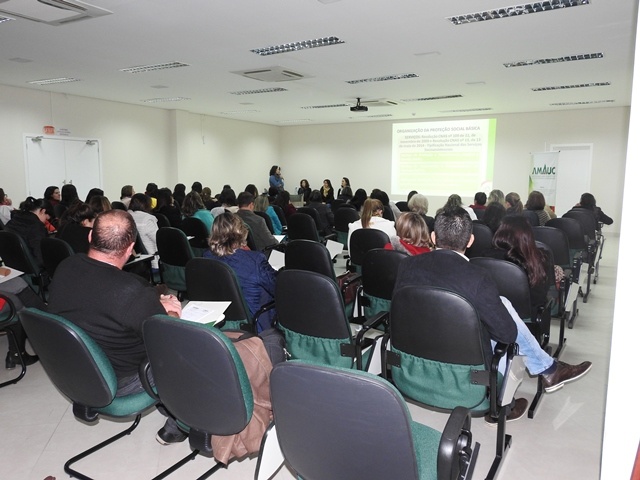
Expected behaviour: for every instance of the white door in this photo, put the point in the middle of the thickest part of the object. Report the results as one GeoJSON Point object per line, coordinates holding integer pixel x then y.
{"type": "Point", "coordinates": [573, 174]}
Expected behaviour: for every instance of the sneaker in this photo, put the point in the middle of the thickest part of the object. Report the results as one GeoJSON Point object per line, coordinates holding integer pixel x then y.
{"type": "Point", "coordinates": [517, 412]}
{"type": "Point", "coordinates": [165, 437]}
{"type": "Point", "coordinates": [564, 373]}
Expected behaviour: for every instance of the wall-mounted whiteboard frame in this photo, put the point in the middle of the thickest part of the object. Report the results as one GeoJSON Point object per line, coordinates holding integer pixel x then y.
{"type": "Point", "coordinates": [58, 160]}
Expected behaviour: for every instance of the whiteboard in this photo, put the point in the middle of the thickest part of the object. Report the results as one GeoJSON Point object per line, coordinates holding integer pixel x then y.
{"type": "Point", "coordinates": [56, 160]}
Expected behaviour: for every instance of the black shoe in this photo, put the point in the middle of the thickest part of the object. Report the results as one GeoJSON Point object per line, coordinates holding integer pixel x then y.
{"type": "Point", "coordinates": [517, 412]}
{"type": "Point", "coordinates": [165, 437]}
{"type": "Point", "coordinates": [12, 360]}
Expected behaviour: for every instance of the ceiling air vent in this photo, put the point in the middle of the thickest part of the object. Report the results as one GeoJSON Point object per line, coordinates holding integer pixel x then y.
{"type": "Point", "coordinates": [271, 74]}
{"type": "Point", "coordinates": [51, 12]}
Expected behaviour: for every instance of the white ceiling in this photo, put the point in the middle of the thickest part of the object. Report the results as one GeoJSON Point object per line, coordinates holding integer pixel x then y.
{"type": "Point", "coordinates": [381, 37]}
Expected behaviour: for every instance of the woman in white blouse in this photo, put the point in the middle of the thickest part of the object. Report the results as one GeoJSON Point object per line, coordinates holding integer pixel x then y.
{"type": "Point", "coordinates": [147, 224]}
{"type": "Point", "coordinates": [371, 217]}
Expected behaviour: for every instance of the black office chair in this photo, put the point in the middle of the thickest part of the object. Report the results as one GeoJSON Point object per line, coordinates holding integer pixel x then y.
{"type": "Point", "coordinates": [267, 220]}
{"type": "Point", "coordinates": [117, 205]}
{"type": "Point", "coordinates": [302, 226]}
{"type": "Point", "coordinates": [163, 221]}
{"type": "Point", "coordinates": [531, 217]}
{"type": "Point", "coordinates": [441, 356]}
{"type": "Point", "coordinates": [80, 370]}
{"type": "Point", "coordinates": [54, 250]}
{"type": "Point", "coordinates": [201, 381]}
{"type": "Point", "coordinates": [325, 430]}
{"type": "Point", "coordinates": [9, 318]}
{"type": "Point", "coordinates": [342, 218]}
{"type": "Point", "coordinates": [483, 237]}
{"type": "Point", "coordinates": [361, 241]}
{"type": "Point", "coordinates": [214, 281]}
{"type": "Point", "coordinates": [195, 228]}
{"type": "Point", "coordinates": [281, 216]}
{"type": "Point", "coordinates": [174, 252]}
{"type": "Point", "coordinates": [403, 206]}
{"type": "Point", "coordinates": [379, 272]}
{"type": "Point", "coordinates": [312, 316]}
{"type": "Point", "coordinates": [15, 254]}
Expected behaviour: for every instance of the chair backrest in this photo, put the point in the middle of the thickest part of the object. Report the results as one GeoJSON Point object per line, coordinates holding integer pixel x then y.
{"type": "Point", "coordinates": [512, 282]}
{"type": "Point", "coordinates": [211, 280]}
{"type": "Point", "coordinates": [301, 226]}
{"type": "Point", "coordinates": [343, 217]}
{"type": "Point", "coordinates": [194, 227]}
{"type": "Point", "coordinates": [267, 220]}
{"type": "Point", "coordinates": [557, 242]}
{"type": "Point", "coordinates": [440, 341]}
{"type": "Point", "coordinates": [173, 247]}
{"type": "Point", "coordinates": [54, 251]}
{"type": "Point", "coordinates": [312, 212]}
{"type": "Point", "coordinates": [483, 237]}
{"type": "Point", "coordinates": [379, 272]}
{"type": "Point", "coordinates": [323, 416]}
{"type": "Point", "coordinates": [587, 220]}
{"type": "Point", "coordinates": [309, 255]}
{"type": "Point", "coordinates": [76, 365]}
{"type": "Point", "coordinates": [163, 221]}
{"type": "Point", "coordinates": [199, 375]}
{"type": "Point", "coordinates": [280, 213]}
{"type": "Point", "coordinates": [117, 205]}
{"type": "Point", "coordinates": [531, 217]}
{"type": "Point", "coordinates": [388, 213]}
{"type": "Point", "coordinates": [15, 253]}
{"type": "Point", "coordinates": [573, 229]}
{"type": "Point", "coordinates": [311, 313]}
{"type": "Point", "coordinates": [363, 240]}
{"type": "Point", "coordinates": [403, 206]}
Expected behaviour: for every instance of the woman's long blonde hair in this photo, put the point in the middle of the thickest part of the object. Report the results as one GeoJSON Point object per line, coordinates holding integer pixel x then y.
{"type": "Point", "coordinates": [227, 234]}
{"type": "Point", "coordinates": [413, 229]}
{"type": "Point", "coordinates": [370, 209]}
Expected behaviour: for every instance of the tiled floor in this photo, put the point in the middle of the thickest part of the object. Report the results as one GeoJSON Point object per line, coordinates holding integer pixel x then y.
{"type": "Point", "coordinates": [38, 432]}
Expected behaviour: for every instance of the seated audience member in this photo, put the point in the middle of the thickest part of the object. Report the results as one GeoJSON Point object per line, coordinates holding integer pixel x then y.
{"type": "Point", "coordinates": [325, 215]}
{"type": "Point", "coordinates": [276, 179]}
{"type": "Point", "coordinates": [179, 192]}
{"type": "Point", "coordinates": [75, 225]}
{"type": "Point", "coordinates": [371, 217]}
{"type": "Point", "coordinates": [209, 202]}
{"type": "Point", "coordinates": [6, 207]}
{"type": "Point", "coordinates": [84, 290]}
{"type": "Point", "coordinates": [418, 203]}
{"type": "Point", "coordinates": [359, 198]}
{"type": "Point", "coordinates": [29, 222]}
{"type": "Point", "coordinates": [390, 212]}
{"type": "Point", "coordinates": [52, 195]}
{"type": "Point", "coordinates": [454, 201]}
{"type": "Point", "coordinates": [344, 183]}
{"type": "Point", "coordinates": [19, 288]}
{"type": "Point", "coordinates": [261, 234]}
{"type": "Point", "coordinates": [513, 204]}
{"type": "Point", "coordinates": [146, 224]}
{"type": "Point", "coordinates": [479, 202]}
{"type": "Point", "coordinates": [126, 193]}
{"type": "Point", "coordinates": [228, 202]}
{"type": "Point", "coordinates": [493, 215]}
{"type": "Point", "coordinates": [167, 207]}
{"type": "Point", "coordinates": [193, 207]}
{"type": "Point", "coordinates": [345, 194]}
{"type": "Point", "coordinates": [150, 192]}
{"type": "Point", "coordinates": [413, 235]}
{"type": "Point", "coordinates": [496, 196]}
{"type": "Point", "coordinates": [52, 222]}
{"type": "Point", "coordinates": [537, 204]}
{"type": "Point", "coordinates": [228, 244]}
{"type": "Point", "coordinates": [514, 242]}
{"type": "Point", "coordinates": [262, 205]}
{"type": "Point", "coordinates": [304, 190]}
{"type": "Point", "coordinates": [448, 268]}
{"type": "Point", "coordinates": [327, 191]}
{"type": "Point", "coordinates": [196, 187]}
{"type": "Point", "coordinates": [99, 203]}
{"type": "Point", "coordinates": [252, 189]}
{"type": "Point", "coordinates": [283, 200]}
{"type": "Point", "coordinates": [92, 193]}
{"type": "Point", "coordinates": [68, 195]}
{"type": "Point", "coordinates": [588, 203]}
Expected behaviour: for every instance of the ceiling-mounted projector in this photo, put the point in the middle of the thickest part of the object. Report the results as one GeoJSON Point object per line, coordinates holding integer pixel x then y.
{"type": "Point", "coordinates": [359, 108]}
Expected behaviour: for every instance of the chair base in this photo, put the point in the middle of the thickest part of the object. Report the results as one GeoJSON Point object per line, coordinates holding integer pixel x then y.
{"type": "Point", "coordinates": [74, 473]}
{"type": "Point", "coordinates": [536, 399]}
{"type": "Point", "coordinates": [186, 460]}
{"type": "Point", "coordinates": [22, 365]}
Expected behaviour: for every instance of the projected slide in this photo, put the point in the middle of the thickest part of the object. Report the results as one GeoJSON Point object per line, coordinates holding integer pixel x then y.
{"type": "Point", "coordinates": [441, 158]}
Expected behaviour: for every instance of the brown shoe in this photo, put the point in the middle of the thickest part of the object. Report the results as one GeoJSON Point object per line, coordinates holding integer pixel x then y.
{"type": "Point", "coordinates": [564, 373]}
{"type": "Point", "coordinates": [517, 412]}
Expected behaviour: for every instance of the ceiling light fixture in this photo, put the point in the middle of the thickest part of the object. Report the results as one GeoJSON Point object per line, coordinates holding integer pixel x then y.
{"type": "Point", "coordinates": [544, 61]}
{"type": "Point", "coordinates": [592, 102]}
{"type": "Point", "coordinates": [335, 105]}
{"type": "Point", "coordinates": [295, 46]}
{"type": "Point", "coordinates": [262, 90]}
{"type": "Point", "coordinates": [383, 79]}
{"type": "Point", "coordinates": [166, 99]}
{"type": "Point", "coordinates": [466, 110]}
{"type": "Point", "coordinates": [427, 99]}
{"type": "Point", "coordinates": [239, 112]}
{"type": "Point", "coordinates": [5, 19]}
{"type": "Point", "coordinates": [515, 11]}
{"type": "Point", "coordinates": [151, 68]}
{"type": "Point", "coordinates": [578, 85]}
{"type": "Point", "coordinates": [51, 81]}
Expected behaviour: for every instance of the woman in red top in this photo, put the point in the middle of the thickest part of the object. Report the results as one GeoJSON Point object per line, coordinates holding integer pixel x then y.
{"type": "Point", "coordinates": [413, 235]}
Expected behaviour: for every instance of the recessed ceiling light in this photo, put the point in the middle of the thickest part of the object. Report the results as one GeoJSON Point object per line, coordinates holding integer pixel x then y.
{"type": "Point", "coordinates": [426, 54]}
{"type": "Point", "coordinates": [294, 46]}
{"type": "Point", "coordinates": [335, 105]}
{"type": "Point", "coordinates": [384, 79]}
{"type": "Point", "coordinates": [262, 90]}
{"type": "Point", "coordinates": [166, 99]}
{"type": "Point", "coordinates": [20, 60]}
{"type": "Point", "coordinates": [239, 112]}
{"type": "Point", "coordinates": [300, 120]}
{"type": "Point", "coordinates": [515, 11]}
{"type": "Point", "coordinates": [466, 110]}
{"type": "Point", "coordinates": [476, 84]}
{"type": "Point", "coordinates": [159, 86]}
{"type": "Point", "coordinates": [544, 61]}
{"type": "Point", "coordinates": [51, 81]}
{"type": "Point", "coordinates": [578, 85]}
{"type": "Point", "coordinates": [151, 68]}
{"type": "Point", "coordinates": [5, 19]}
{"type": "Point", "coordinates": [427, 99]}
{"type": "Point", "coordinates": [380, 115]}
{"type": "Point", "coordinates": [592, 102]}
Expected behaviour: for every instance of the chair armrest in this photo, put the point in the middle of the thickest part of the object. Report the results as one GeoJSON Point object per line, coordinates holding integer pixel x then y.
{"type": "Point", "coordinates": [499, 351]}
{"type": "Point", "coordinates": [456, 446]}
{"type": "Point", "coordinates": [263, 309]}
{"type": "Point", "coordinates": [143, 372]}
